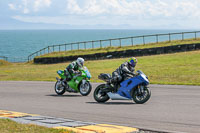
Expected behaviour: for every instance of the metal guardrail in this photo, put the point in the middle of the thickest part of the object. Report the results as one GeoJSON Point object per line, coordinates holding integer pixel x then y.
{"type": "Point", "coordinates": [155, 38]}
{"type": "Point", "coordinates": [4, 58]}
{"type": "Point", "coordinates": [13, 59]}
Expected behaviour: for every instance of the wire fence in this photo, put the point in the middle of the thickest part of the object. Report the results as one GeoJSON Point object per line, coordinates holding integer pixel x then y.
{"type": "Point", "coordinates": [120, 42]}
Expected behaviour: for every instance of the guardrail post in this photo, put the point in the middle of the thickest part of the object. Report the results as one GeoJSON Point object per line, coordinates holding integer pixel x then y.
{"type": "Point", "coordinates": [120, 43]}
{"type": "Point", "coordinates": [85, 45]}
{"type": "Point", "coordinates": [78, 46]}
{"type": "Point", "coordinates": [65, 47]}
{"type": "Point", "coordinates": [100, 44]}
{"type": "Point", "coordinates": [143, 40]}
{"type": "Point", "coordinates": [169, 37]}
{"type": "Point", "coordinates": [132, 40]}
{"type": "Point", "coordinates": [110, 43]}
{"type": "Point", "coordinates": [182, 36]}
{"type": "Point", "coordinates": [195, 34]}
{"type": "Point", "coordinates": [157, 38]}
{"type": "Point", "coordinates": [92, 44]}
{"type": "Point", "coordinates": [48, 49]}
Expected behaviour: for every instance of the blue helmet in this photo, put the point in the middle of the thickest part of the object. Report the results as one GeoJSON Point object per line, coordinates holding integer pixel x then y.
{"type": "Point", "coordinates": [132, 61]}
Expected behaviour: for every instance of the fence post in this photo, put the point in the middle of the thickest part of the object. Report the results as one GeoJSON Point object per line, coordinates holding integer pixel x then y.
{"type": "Point", "coordinates": [65, 47]}
{"type": "Point", "coordinates": [92, 44]}
{"type": "Point", "coordinates": [53, 48]}
{"type": "Point", "coordinates": [48, 49]}
{"type": "Point", "coordinates": [169, 37]}
{"type": "Point", "coordinates": [182, 36]}
{"type": "Point", "coordinates": [110, 43]}
{"type": "Point", "coordinates": [120, 43]}
{"type": "Point", "coordinates": [143, 40]}
{"type": "Point", "coordinates": [78, 45]}
{"type": "Point", "coordinates": [195, 35]}
{"type": "Point", "coordinates": [85, 45]}
{"type": "Point", "coordinates": [100, 44]}
{"type": "Point", "coordinates": [132, 40]}
{"type": "Point", "coordinates": [157, 38]}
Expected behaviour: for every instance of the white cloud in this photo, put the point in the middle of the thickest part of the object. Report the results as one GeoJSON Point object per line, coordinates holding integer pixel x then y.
{"type": "Point", "coordinates": [73, 7]}
{"type": "Point", "coordinates": [136, 8]}
{"type": "Point", "coordinates": [12, 6]}
{"type": "Point", "coordinates": [41, 4]}
{"type": "Point", "coordinates": [25, 5]}
{"type": "Point", "coordinates": [137, 13]}
{"type": "Point", "coordinates": [28, 6]}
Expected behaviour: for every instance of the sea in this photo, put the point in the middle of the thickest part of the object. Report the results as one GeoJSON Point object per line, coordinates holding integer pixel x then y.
{"type": "Point", "coordinates": [17, 45]}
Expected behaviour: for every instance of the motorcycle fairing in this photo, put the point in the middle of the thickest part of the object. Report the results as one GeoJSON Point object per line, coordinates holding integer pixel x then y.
{"type": "Point", "coordinates": [61, 74]}
{"type": "Point", "coordinates": [128, 85]}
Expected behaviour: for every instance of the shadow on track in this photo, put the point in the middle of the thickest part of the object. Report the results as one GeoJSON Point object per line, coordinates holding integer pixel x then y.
{"type": "Point", "coordinates": [54, 95]}
{"type": "Point", "coordinates": [112, 103]}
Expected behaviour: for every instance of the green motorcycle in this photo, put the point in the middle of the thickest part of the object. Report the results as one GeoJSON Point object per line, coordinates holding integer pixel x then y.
{"type": "Point", "coordinates": [79, 83]}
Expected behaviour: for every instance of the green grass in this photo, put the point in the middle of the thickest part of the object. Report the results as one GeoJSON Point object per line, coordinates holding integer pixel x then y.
{"type": "Point", "coordinates": [3, 62]}
{"type": "Point", "coordinates": [111, 49]}
{"type": "Point", "coordinates": [178, 68]}
{"type": "Point", "coordinates": [9, 126]}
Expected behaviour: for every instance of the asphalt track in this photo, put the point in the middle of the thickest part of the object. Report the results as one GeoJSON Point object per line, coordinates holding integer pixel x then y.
{"type": "Point", "coordinates": [171, 108]}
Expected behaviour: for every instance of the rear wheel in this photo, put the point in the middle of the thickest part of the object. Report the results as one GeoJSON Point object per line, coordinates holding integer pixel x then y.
{"type": "Point", "coordinates": [141, 94]}
{"type": "Point", "coordinates": [59, 88]}
{"type": "Point", "coordinates": [85, 89]}
{"type": "Point", "coordinates": [100, 96]}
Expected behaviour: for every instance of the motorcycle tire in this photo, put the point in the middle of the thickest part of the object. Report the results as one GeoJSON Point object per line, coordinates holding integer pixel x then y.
{"type": "Point", "coordinates": [103, 96]}
{"type": "Point", "coordinates": [136, 96]}
{"type": "Point", "coordinates": [82, 90]}
{"type": "Point", "coordinates": [57, 90]}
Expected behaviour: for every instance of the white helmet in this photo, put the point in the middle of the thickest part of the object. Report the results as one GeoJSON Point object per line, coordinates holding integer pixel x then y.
{"type": "Point", "coordinates": [80, 61]}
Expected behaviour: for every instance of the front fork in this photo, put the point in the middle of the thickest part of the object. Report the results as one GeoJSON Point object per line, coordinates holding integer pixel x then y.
{"type": "Point", "coordinates": [61, 82]}
{"type": "Point", "coordinates": [57, 79]}
{"type": "Point", "coordinates": [141, 89]}
{"type": "Point", "coordinates": [83, 81]}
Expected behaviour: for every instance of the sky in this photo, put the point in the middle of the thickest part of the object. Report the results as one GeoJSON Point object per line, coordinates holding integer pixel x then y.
{"type": "Point", "coordinates": [100, 14]}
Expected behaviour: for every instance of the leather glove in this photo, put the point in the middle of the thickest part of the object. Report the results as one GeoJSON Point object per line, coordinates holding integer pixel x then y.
{"type": "Point", "coordinates": [78, 73]}
{"type": "Point", "coordinates": [65, 72]}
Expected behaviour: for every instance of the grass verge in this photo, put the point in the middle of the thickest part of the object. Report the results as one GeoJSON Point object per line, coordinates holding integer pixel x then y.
{"type": "Point", "coordinates": [111, 49]}
{"type": "Point", "coordinates": [9, 126]}
{"type": "Point", "coordinates": [178, 68]}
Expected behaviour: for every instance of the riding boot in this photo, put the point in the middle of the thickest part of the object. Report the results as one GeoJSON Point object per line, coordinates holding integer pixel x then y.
{"type": "Point", "coordinates": [116, 85]}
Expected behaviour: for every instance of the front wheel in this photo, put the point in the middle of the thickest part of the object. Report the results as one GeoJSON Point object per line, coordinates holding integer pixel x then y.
{"type": "Point", "coordinates": [141, 95]}
{"type": "Point", "coordinates": [59, 88]}
{"type": "Point", "coordinates": [85, 88]}
{"type": "Point", "coordinates": [99, 96]}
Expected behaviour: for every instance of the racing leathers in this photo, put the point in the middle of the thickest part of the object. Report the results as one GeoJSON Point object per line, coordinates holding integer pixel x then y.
{"type": "Point", "coordinates": [122, 73]}
{"type": "Point", "coordinates": [72, 68]}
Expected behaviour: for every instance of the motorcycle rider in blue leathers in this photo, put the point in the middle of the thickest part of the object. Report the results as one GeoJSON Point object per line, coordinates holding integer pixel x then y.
{"type": "Point", "coordinates": [123, 72]}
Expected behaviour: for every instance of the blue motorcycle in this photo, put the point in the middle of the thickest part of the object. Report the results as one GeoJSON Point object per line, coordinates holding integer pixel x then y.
{"type": "Point", "coordinates": [134, 88]}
